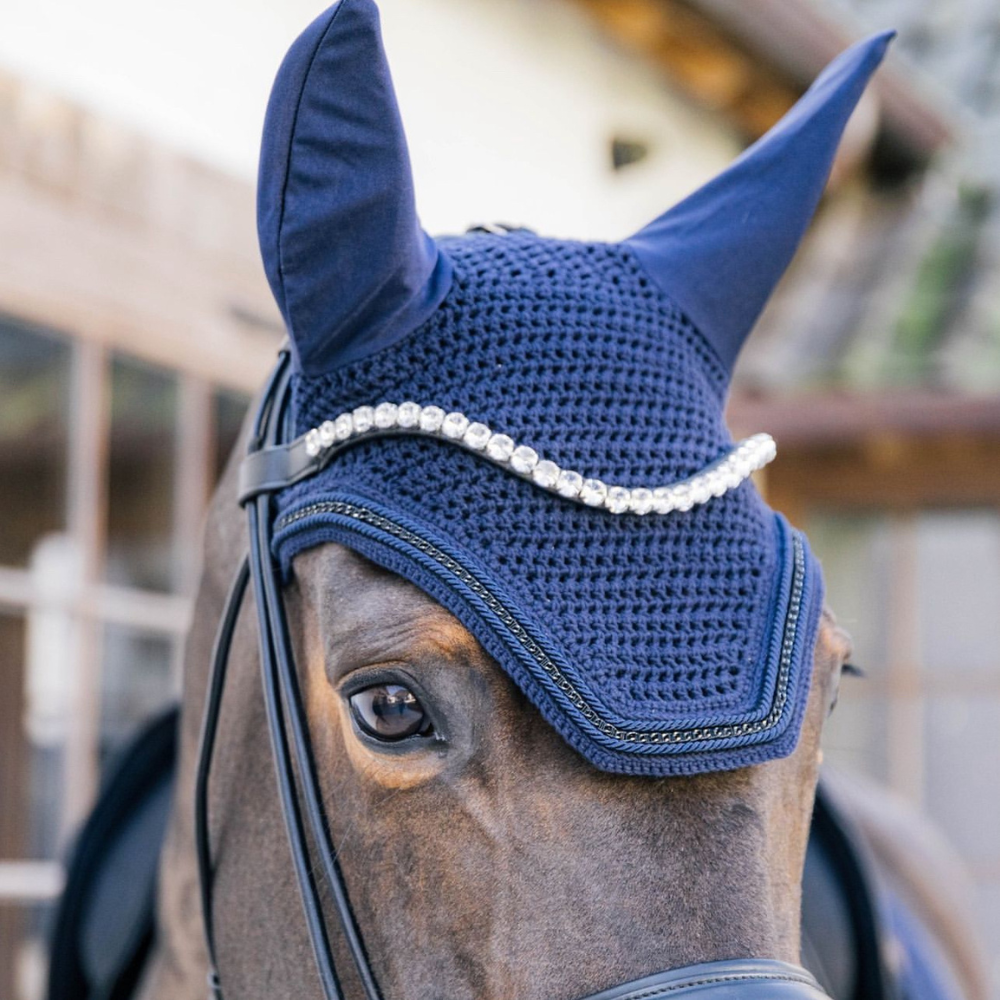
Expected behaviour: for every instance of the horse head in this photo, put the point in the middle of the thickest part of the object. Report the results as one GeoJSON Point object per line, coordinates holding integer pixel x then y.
{"type": "Point", "coordinates": [564, 733]}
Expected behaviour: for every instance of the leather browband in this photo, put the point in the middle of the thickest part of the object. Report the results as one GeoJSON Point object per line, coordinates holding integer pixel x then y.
{"type": "Point", "coordinates": [735, 979]}
{"type": "Point", "coordinates": [273, 468]}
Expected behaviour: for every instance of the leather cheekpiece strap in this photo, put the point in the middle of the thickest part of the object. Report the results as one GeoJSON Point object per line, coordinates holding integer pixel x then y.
{"type": "Point", "coordinates": [736, 979]}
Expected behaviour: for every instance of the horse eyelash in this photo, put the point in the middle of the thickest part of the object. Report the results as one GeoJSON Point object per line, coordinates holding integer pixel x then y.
{"type": "Point", "coordinates": [853, 670]}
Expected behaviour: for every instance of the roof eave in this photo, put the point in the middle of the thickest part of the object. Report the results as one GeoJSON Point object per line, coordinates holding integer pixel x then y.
{"type": "Point", "coordinates": [800, 39]}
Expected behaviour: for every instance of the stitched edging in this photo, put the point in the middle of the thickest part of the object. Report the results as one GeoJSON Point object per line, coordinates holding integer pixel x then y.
{"type": "Point", "coordinates": [722, 369]}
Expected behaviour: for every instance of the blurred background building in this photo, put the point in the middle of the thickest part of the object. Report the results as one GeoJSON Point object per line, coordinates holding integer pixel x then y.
{"type": "Point", "coordinates": [135, 323]}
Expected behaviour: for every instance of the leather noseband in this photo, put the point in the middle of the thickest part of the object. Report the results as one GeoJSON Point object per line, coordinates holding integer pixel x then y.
{"type": "Point", "coordinates": [735, 979]}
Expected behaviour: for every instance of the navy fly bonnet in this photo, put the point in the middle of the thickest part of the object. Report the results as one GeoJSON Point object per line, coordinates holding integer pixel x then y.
{"type": "Point", "coordinates": [531, 430]}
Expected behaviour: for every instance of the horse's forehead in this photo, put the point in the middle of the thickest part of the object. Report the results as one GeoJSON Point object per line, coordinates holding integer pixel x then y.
{"type": "Point", "coordinates": [333, 573]}
{"type": "Point", "coordinates": [362, 611]}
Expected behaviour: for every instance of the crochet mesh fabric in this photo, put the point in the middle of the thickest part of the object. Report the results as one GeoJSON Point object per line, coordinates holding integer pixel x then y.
{"type": "Point", "coordinates": [570, 348]}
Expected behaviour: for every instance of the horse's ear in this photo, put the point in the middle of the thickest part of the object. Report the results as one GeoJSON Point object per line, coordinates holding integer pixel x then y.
{"type": "Point", "coordinates": [719, 253]}
{"type": "Point", "coordinates": [348, 262]}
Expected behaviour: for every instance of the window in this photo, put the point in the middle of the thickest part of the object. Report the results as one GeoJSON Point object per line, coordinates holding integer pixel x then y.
{"type": "Point", "coordinates": [142, 458]}
{"type": "Point", "coordinates": [106, 463]}
{"type": "Point", "coordinates": [138, 680]}
{"type": "Point", "coordinates": [34, 429]}
{"type": "Point", "coordinates": [229, 409]}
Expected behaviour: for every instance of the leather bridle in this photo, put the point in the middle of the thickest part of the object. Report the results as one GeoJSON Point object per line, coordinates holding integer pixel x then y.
{"type": "Point", "coordinates": [295, 767]}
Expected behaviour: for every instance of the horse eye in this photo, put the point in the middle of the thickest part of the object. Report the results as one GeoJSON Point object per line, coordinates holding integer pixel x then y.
{"type": "Point", "coordinates": [389, 712]}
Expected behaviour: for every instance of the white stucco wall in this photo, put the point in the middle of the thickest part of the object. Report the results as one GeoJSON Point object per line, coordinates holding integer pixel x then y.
{"type": "Point", "coordinates": [510, 105]}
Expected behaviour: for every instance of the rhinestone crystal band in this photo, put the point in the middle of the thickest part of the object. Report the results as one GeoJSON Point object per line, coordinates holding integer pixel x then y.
{"type": "Point", "coordinates": [725, 474]}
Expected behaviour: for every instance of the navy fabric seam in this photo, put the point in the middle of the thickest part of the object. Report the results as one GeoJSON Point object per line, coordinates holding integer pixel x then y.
{"type": "Point", "coordinates": [722, 369]}
{"type": "Point", "coordinates": [365, 356]}
{"type": "Point", "coordinates": [768, 644]}
{"type": "Point", "coordinates": [808, 637]}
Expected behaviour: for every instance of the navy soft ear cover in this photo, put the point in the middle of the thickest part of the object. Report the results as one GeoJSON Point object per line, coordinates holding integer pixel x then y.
{"type": "Point", "coordinates": [347, 260]}
{"type": "Point", "coordinates": [719, 253]}
{"type": "Point", "coordinates": [655, 644]}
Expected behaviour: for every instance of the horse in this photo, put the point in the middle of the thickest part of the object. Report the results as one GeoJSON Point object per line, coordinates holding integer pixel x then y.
{"type": "Point", "coordinates": [517, 870]}
{"type": "Point", "coordinates": [465, 823]}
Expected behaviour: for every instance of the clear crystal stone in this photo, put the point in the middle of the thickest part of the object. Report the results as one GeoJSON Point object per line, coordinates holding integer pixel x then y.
{"type": "Point", "coordinates": [386, 415]}
{"type": "Point", "coordinates": [344, 426]}
{"type": "Point", "coordinates": [431, 418]}
{"type": "Point", "coordinates": [593, 492]}
{"type": "Point", "coordinates": [700, 490]}
{"type": "Point", "coordinates": [408, 414]}
{"type": "Point", "coordinates": [500, 447]}
{"type": "Point", "coordinates": [313, 446]}
{"type": "Point", "coordinates": [524, 459]}
{"type": "Point", "coordinates": [363, 417]}
{"type": "Point", "coordinates": [453, 426]}
{"type": "Point", "coordinates": [731, 477]}
{"type": "Point", "coordinates": [682, 496]}
{"type": "Point", "coordinates": [477, 436]}
{"type": "Point", "coordinates": [617, 500]}
{"type": "Point", "coordinates": [545, 474]}
{"type": "Point", "coordinates": [569, 484]}
{"type": "Point", "coordinates": [327, 433]}
{"type": "Point", "coordinates": [641, 500]}
{"type": "Point", "coordinates": [663, 499]}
